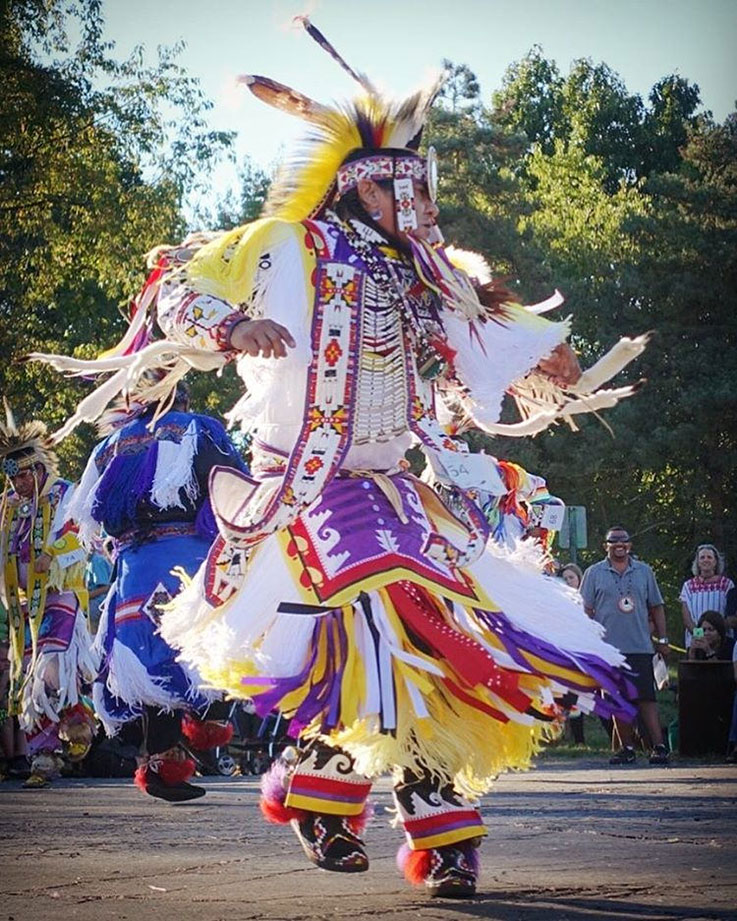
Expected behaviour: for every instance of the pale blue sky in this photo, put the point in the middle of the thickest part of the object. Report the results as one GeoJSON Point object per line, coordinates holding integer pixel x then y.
{"type": "Point", "coordinates": [397, 42]}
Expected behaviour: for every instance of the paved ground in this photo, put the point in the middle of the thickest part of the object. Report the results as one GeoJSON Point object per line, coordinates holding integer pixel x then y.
{"type": "Point", "coordinates": [566, 841]}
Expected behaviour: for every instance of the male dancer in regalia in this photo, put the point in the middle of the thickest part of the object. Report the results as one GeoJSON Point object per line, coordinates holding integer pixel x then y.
{"type": "Point", "coordinates": [379, 618]}
{"type": "Point", "coordinates": [42, 581]}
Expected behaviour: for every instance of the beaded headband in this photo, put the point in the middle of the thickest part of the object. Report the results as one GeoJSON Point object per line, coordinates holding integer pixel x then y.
{"type": "Point", "coordinates": [403, 169]}
{"type": "Point", "coordinates": [381, 166]}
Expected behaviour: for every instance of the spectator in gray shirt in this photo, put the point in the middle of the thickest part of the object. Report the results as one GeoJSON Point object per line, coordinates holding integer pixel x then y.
{"type": "Point", "coordinates": [621, 593]}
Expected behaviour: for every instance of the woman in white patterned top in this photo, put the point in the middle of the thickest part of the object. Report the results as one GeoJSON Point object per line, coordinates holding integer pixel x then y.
{"type": "Point", "coordinates": [706, 591]}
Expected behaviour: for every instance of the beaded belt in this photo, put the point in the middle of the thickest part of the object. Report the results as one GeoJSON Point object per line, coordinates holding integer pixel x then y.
{"type": "Point", "coordinates": [138, 536]}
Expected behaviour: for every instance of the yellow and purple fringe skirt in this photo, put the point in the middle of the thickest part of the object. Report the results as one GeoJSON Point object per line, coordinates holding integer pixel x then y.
{"type": "Point", "coordinates": [344, 624]}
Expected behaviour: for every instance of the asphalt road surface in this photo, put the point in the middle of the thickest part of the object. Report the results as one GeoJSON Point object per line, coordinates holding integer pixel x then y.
{"type": "Point", "coordinates": [573, 840]}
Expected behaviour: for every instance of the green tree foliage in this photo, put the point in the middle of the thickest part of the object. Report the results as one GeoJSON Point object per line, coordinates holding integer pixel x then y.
{"type": "Point", "coordinates": [531, 100]}
{"type": "Point", "coordinates": [688, 277]}
{"type": "Point", "coordinates": [668, 123]}
{"type": "Point", "coordinates": [630, 210]}
{"type": "Point", "coordinates": [245, 205]}
{"type": "Point", "coordinates": [96, 158]}
{"type": "Point", "coordinates": [480, 195]}
{"type": "Point", "coordinates": [591, 109]}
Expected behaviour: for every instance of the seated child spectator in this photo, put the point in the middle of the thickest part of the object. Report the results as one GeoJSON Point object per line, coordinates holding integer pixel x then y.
{"type": "Point", "coordinates": [710, 640]}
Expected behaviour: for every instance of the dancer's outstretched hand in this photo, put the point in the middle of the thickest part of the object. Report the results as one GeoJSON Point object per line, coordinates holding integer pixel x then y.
{"type": "Point", "coordinates": [561, 366]}
{"type": "Point", "coordinates": [262, 337]}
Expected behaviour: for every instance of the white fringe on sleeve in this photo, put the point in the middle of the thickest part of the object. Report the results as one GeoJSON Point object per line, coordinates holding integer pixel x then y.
{"type": "Point", "coordinates": [491, 356]}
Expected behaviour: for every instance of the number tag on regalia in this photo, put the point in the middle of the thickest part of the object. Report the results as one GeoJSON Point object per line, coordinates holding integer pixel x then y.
{"type": "Point", "coordinates": [552, 518]}
{"type": "Point", "coordinates": [470, 471]}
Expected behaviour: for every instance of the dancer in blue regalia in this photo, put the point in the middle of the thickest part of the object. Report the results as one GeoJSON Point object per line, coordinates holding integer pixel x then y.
{"type": "Point", "coordinates": [145, 488]}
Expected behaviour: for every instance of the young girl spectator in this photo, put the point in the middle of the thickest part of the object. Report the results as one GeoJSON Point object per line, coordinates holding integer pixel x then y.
{"type": "Point", "coordinates": [571, 575]}
{"type": "Point", "coordinates": [710, 640]}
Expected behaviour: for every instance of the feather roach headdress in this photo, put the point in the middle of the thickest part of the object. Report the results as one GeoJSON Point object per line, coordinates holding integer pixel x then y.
{"type": "Point", "coordinates": [22, 446]}
{"type": "Point", "coordinates": [372, 137]}
{"type": "Point", "coordinates": [316, 174]}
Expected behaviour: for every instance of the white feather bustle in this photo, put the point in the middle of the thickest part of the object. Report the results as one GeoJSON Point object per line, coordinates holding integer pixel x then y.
{"type": "Point", "coordinates": [617, 358]}
{"type": "Point", "coordinates": [473, 264]}
{"type": "Point", "coordinates": [127, 373]}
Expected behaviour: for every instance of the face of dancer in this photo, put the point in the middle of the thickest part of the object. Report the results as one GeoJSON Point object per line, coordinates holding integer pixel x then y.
{"type": "Point", "coordinates": [24, 483]}
{"type": "Point", "coordinates": [617, 545]}
{"type": "Point", "coordinates": [706, 562]}
{"type": "Point", "coordinates": [379, 200]}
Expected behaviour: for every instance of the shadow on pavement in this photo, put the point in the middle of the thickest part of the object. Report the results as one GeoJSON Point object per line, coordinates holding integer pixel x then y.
{"type": "Point", "coordinates": [513, 906]}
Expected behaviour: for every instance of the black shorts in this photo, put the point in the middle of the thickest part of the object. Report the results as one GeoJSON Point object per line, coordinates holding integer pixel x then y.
{"type": "Point", "coordinates": [641, 675]}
